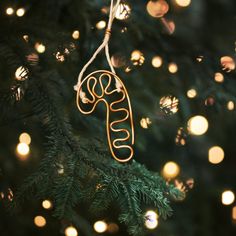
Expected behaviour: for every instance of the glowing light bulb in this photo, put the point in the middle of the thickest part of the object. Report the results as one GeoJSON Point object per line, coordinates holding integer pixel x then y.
{"type": "Point", "coordinates": [230, 105]}
{"type": "Point", "coordinates": [21, 73]}
{"type": "Point", "coordinates": [156, 61]}
{"type": "Point", "coordinates": [151, 221]}
{"type": "Point", "coordinates": [9, 11]}
{"type": "Point", "coordinates": [123, 11]}
{"type": "Point", "coordinates": [234, 213]}
{"type": "Point", "coordinates": [20, 12]}
{"type": "Point", "coordinates": [40, 221]}
{"type": "Point", "coordinates": [171, 170]}
{"type": "Point", "coordinates": [145, 122]}
{"type": "Point", "coordinates": [75, 34]}
{"type": "Point", "coordinates": [40, 47]}
{"type": "Point", "coordinates": [100, 226]}
{"type": "Point", "coordinates": [101, 24]}
{"type": "Point", "coordinates": [157, 8]}
{"type": "Point", "coordinates": [173, 68]}
{"type": "Point", "coordinates": [71, 231]}
{"type": "Point", "coordinates": [215, 155]}
{"type": "Point", "coordinates": [191, 93]}
{"type": "Point", "coordinates": [227, 197]}
{"type": "Point", "coordinates": [22, 149]}
{"type": "Point", "coordinates": [46, 204]}
{"type": "Point", "coordinates": [25, 138]}
{"type": "Point", "coordinates": [219, 77]}
{"type": "Point", "coordinates": [227, 63]}
{"type": "Point", "coordinates": [197, 125]}
{"type": "Point", "coordinates": [183, 3]}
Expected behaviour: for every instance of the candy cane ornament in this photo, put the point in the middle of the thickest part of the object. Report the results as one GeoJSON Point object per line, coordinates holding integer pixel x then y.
{"type": "Point", "coordinates": [100, 86]}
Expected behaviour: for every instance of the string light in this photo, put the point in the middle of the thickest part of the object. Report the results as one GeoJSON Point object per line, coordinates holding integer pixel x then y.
{"type": "Point", "coordinates": [230, 105]}
{"type": "Point", "coordinates": [100, 226]}
{"type": "Point", "coordinates": [157, 8]}
{"type": "Point", "coordinates": [169, 104]}
{"type": "Point", "coordinates": [23, 150]}
{"type": "Point", "coordinates": [71, 231]}
{"type": "Point", "coordinates": [170, 170]}
{"type": "Point", "coordinates": [40, 47]}
{"type": "Point", "coordinates": [215, 155]}
{"type": "Point", "coordinates": [40, 221]}
{"type": "Point", "coordinates": [46, 204]}
{"type": "Point", "coordinates": [75, 34]}
{"type": "Point", "coordinates": [219, 77]}
{"type": "Point", "coordinates": [112, 228]}
{"type": "Point", "coordinates": [25, 138]}
{"type": "Point", "coordinates": [191, 93]}
{"type": "Point", "coordinates": [21, 73]}
{"type": "Point", "coordinates": [101, 24]}
{"type": "Point", "coordinates": [183, 3]}
{"type": "Point", "coordinates": [197, 125]}
{"type": "Point", "coordinates": [137, 58]}
{"type": "Point", "coordinates": [227, 63]}
{"type": "Point", "coordinates": [20, 12]}
{"type": "Point", "coordinates": [9, 11]}
{"type": "Point", "coordinates": [156, 61]}
{"type": "Point", "coordinates": [173, 68]}
{"type": "Point", "coordinates": [145, 122]}
{"type": "Point", "coordinates": [151, 221]}
{"type": "Point", "coordinates": [123, 11]}
{"type": "Point", "coordinates": [227, 197]}
{"type": "Point", "coordinates": [234, 213]}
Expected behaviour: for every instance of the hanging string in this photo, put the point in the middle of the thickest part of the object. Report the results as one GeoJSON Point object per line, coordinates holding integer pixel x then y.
{"type": "Point", "coordinates": [113, 10]}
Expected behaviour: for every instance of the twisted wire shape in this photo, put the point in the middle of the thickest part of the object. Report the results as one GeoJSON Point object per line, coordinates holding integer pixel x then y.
{"type": "Point", "coordinates": [96, 98]}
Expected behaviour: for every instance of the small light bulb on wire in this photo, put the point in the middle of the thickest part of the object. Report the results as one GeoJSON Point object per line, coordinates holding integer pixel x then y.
{"type": "Point", "coordinates": [71, 231]}
{"type": "Point", "coordinates": [157, 61]}
{"type": "Point", "coordinates": [101, 24]}
{"type": "Point", "coordinates": [227, 197]}
{"type": "Point", "coordinates": [100, 226]}
{"type": "Point", "coordinates": [151, 219]}
{"type": "Point", "coordinates": [20, 12]}
{"type": "Point", "coordinates": [9, 11]}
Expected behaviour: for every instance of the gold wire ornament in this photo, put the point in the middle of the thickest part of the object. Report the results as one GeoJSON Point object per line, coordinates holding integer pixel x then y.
{"type": "Point", "coordinates": [103, 86]}
{"type": "Point", "coordinates": [87, 104]}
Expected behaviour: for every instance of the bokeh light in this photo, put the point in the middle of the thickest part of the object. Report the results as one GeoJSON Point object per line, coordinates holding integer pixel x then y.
{"type": "Point", "coordinates": [230, 105]}
{"type": "Point", "coordinates": [169, 104]}
{"type": "Point", "coordinates": [151, 221]}
{"type": "Point", "coordinates": [173, 68]}
{"type": "Point", "coordinates": [112, 228]}
{"type": "Point", "coordinates": [157, 8]}
{"type": "Point", "coordinates": [123, 11]}
{"type": "Point", "coordinates": [227, 63]}
{"type": "Point", "coordinates": [192, 93]}
{"type": "Point", "coordinates": [20, 12]}
{"type": "Point", "coordinates": [40, 47]}
{"type": "Point", "coordinates": [22, 149]}
{"type": "Point", "coordinates": [219, 77]}
{"type": "Point", "coordinates": [137, 58]}
{"type": "Point", "coordinates": [234, 213]}
{"type": "Point", "coordinates": [75, 34]}
{"type": "Point", "coordinates": [197, 125]}
{"type": "Point", "coordinates": [171, 170]}
{"type": "Point", "coordinates": [145, 122]}
{"type": "Point", "coordinates": [40, 221]}
{"type": "Point", "coordinates": [21, 73]}
{"type": "Point", "coordinates": [9, 11]}
{"type": "Point", "coordinates": [46, 204]}
{"type": "Point", "coordinates": [25, 138]}
{"type": "Point", "coordinates": [71, 231]}
{"type": "Point", "coordinates": [100, 226]}
{"type": "Point", "coordinates": [227, 197]}
{"type": "Point", "coordinates": [215, 155]}
{"type": "Point", "coordinates": [183, 3]}
{"type": "Point", "coordinates": [156, 61]}
{"type": "Point", "coordinates": [101, 24]}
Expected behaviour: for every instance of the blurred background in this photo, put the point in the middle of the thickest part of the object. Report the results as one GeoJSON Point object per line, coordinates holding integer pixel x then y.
{"type": "Point", "coordinates": [177, 60]}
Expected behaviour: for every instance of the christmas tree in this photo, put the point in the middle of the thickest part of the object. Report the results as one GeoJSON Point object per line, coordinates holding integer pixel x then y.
{"type": "Point", "coordinates": [156, 155]}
